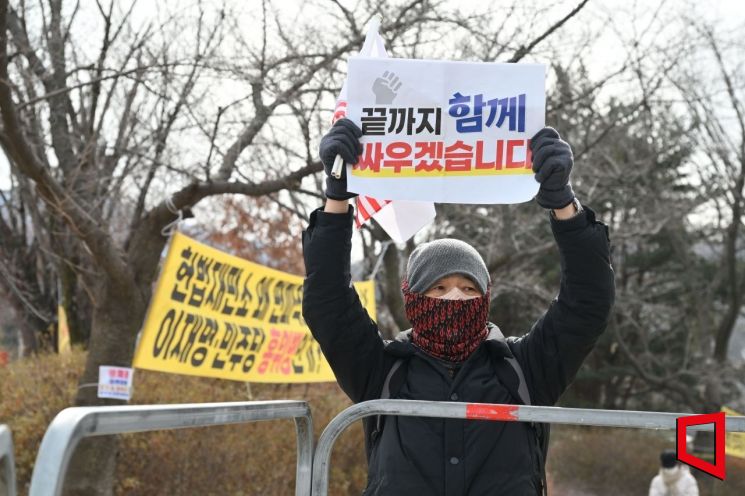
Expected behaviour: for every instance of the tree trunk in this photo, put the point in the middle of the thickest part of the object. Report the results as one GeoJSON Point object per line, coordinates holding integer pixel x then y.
{"type": "Point", "coordinates": [116, 320]}
{"type": "Point", "coordinates": [30, 327]}
{"type": "Point", "coordinates": [27, 339]}
{"type": "Point", "coordinates": [92, 468]}
{"type": "Point", "coordinates": [71, 298]}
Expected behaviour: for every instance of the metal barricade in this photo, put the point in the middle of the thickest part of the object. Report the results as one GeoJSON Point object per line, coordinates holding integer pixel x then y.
{"type": "Point", "coordinates": [483, 411]}
{"type": "Point", "coordinates": [73, 424]}
{"type": "Point", "coordinates": [8, 461]}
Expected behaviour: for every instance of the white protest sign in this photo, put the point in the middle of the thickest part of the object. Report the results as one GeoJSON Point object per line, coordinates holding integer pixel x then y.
{"type": "Point", "coordinates": [115, 382]}
{"type": "Point", "coordinates": [451, 132]}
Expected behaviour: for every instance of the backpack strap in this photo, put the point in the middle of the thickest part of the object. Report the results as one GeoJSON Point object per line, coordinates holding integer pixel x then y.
{"type": "Point", "coordinates": [521, 393]}
{"type": "Point", "coordinates": [386, 392]}
{"type": "Point", "coordinates": [522, 386]}
{"type": "Point", "coordinates": [401, 350]}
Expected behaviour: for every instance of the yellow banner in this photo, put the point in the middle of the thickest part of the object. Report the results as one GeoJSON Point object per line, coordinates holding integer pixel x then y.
{"type": "Point", "coordinates": [734, 441]}
{"type": "Point", "coordinates": [216, 315]}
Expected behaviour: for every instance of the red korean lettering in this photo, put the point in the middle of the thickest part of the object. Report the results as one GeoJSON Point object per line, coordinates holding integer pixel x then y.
{"type": "Point", "coordinates": [429, 154]}
{"type": "Point", "coordinates": [398, 156]}
{"type": "Point", "coordinates": [458, 157]}
{"type": "Point", "coordinates": [510, 158]}
{"type": "Point", "coordinates": [371, 158]}
{"type": "Point", "coordinates": [282, 348]}
{"type": "Point", "coordinates": [480, 163]}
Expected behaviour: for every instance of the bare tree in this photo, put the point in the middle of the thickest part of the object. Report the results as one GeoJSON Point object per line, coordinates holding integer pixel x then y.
{"type": "Point", "coordinates": [112, 143]}
{"type": "Point", "coordinates": [114, 127]}
{"type": "Point", "coordinates": [717, 108]}
{"type": "Point", "coordinates": [27, 283]}
{"type": "Point", "coordinates": [94, 134]}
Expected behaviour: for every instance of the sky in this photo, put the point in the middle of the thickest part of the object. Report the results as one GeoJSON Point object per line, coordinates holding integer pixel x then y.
{"type": "Point", "coordinates": [727, 14]}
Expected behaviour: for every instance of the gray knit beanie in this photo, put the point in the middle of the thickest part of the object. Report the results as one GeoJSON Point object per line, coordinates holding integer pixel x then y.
{"type": "Point", "coordinates": [432, 261]}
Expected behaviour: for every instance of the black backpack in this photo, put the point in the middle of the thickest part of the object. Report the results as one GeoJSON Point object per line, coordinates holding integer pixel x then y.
{"type": "Point", "coordinates": [395, 379]}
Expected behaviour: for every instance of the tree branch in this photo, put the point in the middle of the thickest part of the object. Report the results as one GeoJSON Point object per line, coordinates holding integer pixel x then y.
{"type": "Point", "coordinates": [526, 49]}
{"type": "Point", "coordinates": [98, 241]}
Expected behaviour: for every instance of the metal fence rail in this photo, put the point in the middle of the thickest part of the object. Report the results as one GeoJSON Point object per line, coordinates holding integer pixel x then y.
{"type": "Point", "coordinates": [73, 424]}
{"type": "Point", "coordinates": [479, 411]}
{"type": "Point", "coordinates": [8, 479]}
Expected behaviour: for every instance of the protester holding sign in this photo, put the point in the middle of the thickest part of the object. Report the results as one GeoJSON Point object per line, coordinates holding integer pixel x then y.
{"type": "Point", "coordinates": [452, 353]}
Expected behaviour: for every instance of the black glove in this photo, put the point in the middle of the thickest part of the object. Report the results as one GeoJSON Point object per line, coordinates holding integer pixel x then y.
{"type": "Point", "coordinates": [342, 139]}
{"type": "Point", "coordinates": [552, 165]}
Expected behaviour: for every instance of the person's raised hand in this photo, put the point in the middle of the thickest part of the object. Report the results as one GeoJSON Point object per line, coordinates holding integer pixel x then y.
{"type": "Point", "coordinates": [552, 165]}
{"type": "Point", "coordinates": [342, 139]}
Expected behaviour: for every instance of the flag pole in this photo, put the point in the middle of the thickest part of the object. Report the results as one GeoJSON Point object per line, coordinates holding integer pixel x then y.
{"type": "Point", "coordinates": [372, 27]}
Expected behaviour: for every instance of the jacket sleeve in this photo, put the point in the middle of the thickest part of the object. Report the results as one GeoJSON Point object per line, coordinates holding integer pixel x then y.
{"type": "Point", "coordinates": [557, 344]}
{"type": "Point", "coordinates": [348, 337]}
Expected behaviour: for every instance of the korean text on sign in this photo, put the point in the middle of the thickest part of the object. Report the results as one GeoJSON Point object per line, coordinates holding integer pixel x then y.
{"type": "Point", "coordinates": [115, 382]}
{"type": "Point", "coordinates": [448, 131]}
{"type": "Point", "coordinates": [217, 315]}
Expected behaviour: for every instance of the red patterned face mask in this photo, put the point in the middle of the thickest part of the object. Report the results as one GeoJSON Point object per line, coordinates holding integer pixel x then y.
{"type": "Point", "coordinates": [446, 329]}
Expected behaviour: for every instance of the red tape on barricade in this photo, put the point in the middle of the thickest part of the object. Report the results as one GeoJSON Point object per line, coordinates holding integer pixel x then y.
{"type": "Point", "coordinates": [492, 412]}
